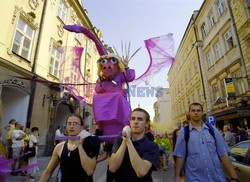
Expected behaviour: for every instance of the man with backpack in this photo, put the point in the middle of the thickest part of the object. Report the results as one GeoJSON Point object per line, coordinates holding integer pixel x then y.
{"type": "Point", "coordinates": [200, 149]}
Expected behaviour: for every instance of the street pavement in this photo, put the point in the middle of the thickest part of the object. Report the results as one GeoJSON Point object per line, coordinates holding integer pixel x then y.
{"type": "Point", "coordinates": [99, 175]}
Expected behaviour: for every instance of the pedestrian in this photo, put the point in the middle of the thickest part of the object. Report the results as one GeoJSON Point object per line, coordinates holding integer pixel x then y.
{"type": "Point", "coordinates": [164, 147]}
{"type": "Point", "coordinates": [58, 134]}
{"type": "Point", "coordinates": [24, 160]}
{"type": "Point", "coordinates": [242, 134]}
{"type": "Point", "coordinates": [229, 136]}
{"type": "Point", "coordinates": [174, 138]}
{"type": "Point", "coordinates": [134, 155]}
{"type": "Point", "coordinates": [18, 144]}
{"type": "Point", "coordinates": [200, 149]}
{"type": "Point", "coordinates": [107, 152]}
{"type": "Point", "coordinates": [10, 127]}
{"type": "Point", "coordinates": [33, 147]}
{"type": "Point", "coordinates": [77, 158]}
{"type": "Point", "coordinates": [148, 133]}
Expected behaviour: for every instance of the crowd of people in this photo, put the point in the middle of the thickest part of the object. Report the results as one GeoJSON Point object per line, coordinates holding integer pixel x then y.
{"type": "Point", "coordinates": [22, 144]}
{"type": "Point", "coordinates": [136, 153]}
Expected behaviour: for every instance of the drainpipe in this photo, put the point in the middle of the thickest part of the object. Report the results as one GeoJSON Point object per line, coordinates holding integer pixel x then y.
{"type": "Point", "coordinates": [33, 84]}
{"type": "Point", "coordinates": [244, 70]}
{"type": "Point", "coordinates": [203, 76]}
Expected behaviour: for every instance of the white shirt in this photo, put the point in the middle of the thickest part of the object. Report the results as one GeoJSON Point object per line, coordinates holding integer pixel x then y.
{"type": "Point", "coordinates": [17, 143]}
{"type": "Point", "coordinates": [84, 134]}
{"type": "Point", "coordinates": [58, 133]}
{"type": "Point", "coordinates": [32, 140]}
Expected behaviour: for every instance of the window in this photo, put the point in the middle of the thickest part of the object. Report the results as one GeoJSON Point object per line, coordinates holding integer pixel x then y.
{"type": "Point", "coordinates": [229, 40]}
{"type": "Point", "coordinates": [195, 67]}
{"type": "Point", "coordinates": [23, 39]}
{"type": "Point", "coordinates": [220, 7]}
{"type": "Point", "coordinates": [211, 19]}
{"type": "Point", "coordinates": [238, 83]}
{"type": "Point", "coordinates": [210, 60]}
{"type": "Point", "coordinates": [62, 11]}
{"type": "Point", "coordinates": [204, 30]}
{"type": "Point", "coordinates": [218, 50]}
{"type": "Point", "coordinates": [73, 73]}
{"type": "Point", "coordinates": [216, 92]}
{"type": "Point", "coordinates": [54, 62]}
{"type": "Point", "coordinates": [238, 152]}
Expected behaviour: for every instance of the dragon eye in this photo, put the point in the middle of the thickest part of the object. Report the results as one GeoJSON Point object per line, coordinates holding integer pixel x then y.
{"type": "Point", "coordinates": [113, 60]}
{"type": "Point", "coordinates": [104, 61]}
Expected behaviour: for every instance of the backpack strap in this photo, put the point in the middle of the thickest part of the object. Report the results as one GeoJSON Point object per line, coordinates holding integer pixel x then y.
{"type": "Point", "coordinates": [211, 130]}
{"type": "Point", "coordinates": [186, 135]}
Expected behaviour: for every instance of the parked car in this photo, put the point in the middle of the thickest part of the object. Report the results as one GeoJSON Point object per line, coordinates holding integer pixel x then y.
{"type": "Point", "coordinates": [240, 157]}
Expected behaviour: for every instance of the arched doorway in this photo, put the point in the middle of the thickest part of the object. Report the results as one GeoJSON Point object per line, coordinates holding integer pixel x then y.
{"type": "Point", "coordinates": [15, 106]}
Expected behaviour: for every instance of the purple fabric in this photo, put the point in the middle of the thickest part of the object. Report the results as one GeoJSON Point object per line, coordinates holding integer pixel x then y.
{"type": "Point", "coordinates": [4, 165]}
{"type": "Point", "coordinates": [161, 53]}
{"type": "Point", "coordinates": [81, 29]}
{"type": "Point", "coordinates": [110, 105]}
{"type": "Point", "coordinates": [63, 138]}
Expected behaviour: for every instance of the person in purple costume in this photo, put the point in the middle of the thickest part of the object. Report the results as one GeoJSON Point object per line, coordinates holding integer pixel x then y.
{"type": "Point", "coordinates": [111, 107]}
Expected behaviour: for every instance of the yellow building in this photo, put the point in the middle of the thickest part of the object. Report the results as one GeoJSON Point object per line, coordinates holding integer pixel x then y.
{"type": "Point", "coordinates": [217, 41]}
{"type": "Point", "coordinates": [222, 62]}
{"type": "Point", "coordinates": [185, 76]}
{"type": "Point", "coordinates": [32, 34]}
{"type": "Point", "coordinates": [241, 17]}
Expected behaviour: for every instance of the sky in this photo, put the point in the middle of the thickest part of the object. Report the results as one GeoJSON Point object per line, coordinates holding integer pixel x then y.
{"type": "Point", "coordinates": [135, 21]}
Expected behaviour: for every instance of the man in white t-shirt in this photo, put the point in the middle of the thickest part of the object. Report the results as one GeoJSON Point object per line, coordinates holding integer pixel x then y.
{"type": "Point", "coordinates": [58, 134]}
{"type": "Point", "coordinates": [17, 137]}
{"type": "Point", "coordinates": [33, 142]}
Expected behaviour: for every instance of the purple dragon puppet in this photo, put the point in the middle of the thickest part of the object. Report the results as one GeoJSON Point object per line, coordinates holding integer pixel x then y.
{"type": "Point", "coordinates": [110, 104]}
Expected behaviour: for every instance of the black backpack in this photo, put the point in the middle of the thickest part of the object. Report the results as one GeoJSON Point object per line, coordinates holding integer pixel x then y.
{"type": "Point", "coordinates": [186, 135]}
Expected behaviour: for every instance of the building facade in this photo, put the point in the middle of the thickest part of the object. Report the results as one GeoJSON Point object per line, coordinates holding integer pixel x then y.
{"type": "Point", "coordinates": [185, 76]}
{"type": "Point", "coordinates": [221, 34]}
{"type": "Point", "coordinates": [241, 16]}
{"type": "Point", "coordinates": [162, 107]}
{"type": "Point", "coordinates": [36, 56]}
{"type": "Point", "coordinates": [222, 60]}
